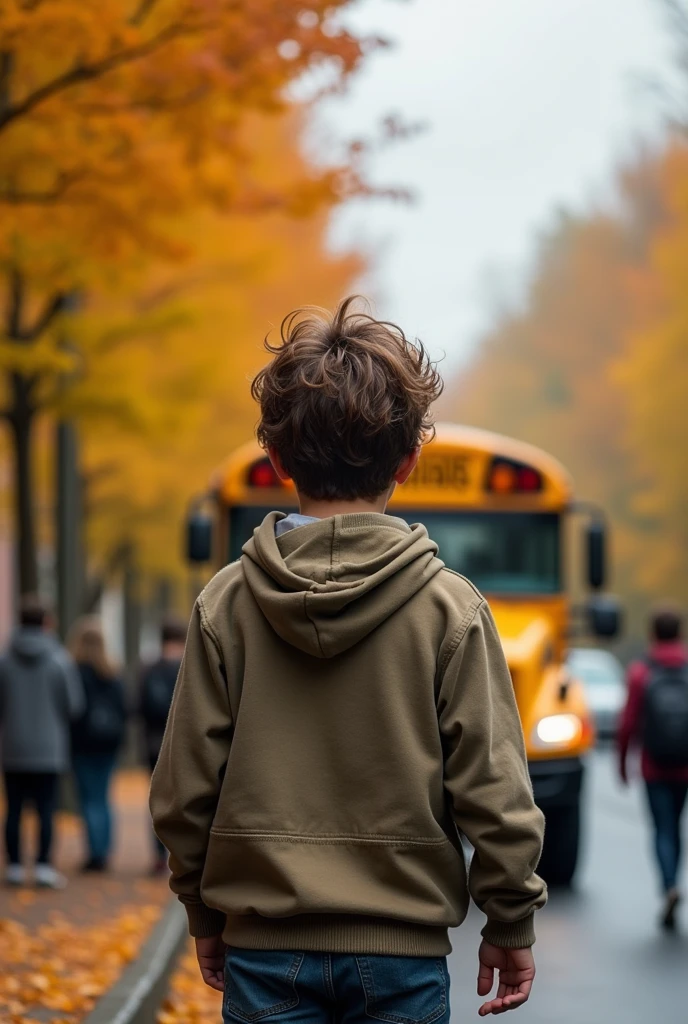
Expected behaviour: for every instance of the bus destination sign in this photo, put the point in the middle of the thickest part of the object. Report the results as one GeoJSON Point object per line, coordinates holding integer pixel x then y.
{"type": "Point", "coordinates": [435, 470]}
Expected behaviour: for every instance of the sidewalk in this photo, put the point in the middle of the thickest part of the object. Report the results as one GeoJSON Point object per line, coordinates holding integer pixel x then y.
{"type": "Point", "coordinates": [59, 951]}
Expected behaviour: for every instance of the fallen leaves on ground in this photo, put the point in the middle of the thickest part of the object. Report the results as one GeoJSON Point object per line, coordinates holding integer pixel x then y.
{"type": "Point", "coordinates": [64, 967]}
{"type": "Point", "coordinates": [189, 1000]}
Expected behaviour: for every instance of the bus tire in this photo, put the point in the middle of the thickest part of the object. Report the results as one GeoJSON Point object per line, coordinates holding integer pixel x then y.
{"type": "Point", "coordinates": [562, 844]}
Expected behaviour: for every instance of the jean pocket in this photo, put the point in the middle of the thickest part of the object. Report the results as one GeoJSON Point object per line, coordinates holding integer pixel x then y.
{"type": "Point", "coordinates": [259, 983]}
{"type": "Point", "coordinates": [404, 989]}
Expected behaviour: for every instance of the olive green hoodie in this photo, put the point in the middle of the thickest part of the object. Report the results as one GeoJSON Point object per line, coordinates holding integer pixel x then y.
{"type": "Point", "coordinates": [342, 706]}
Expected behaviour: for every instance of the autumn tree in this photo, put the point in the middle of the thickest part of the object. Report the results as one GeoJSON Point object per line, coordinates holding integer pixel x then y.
{"type": "Point", "coordinates": [548, 370]}
{"type": "Point", "coordinates": [654, 375]}
{"type": "Point", "coordinates": [118, 119]}
{"type": "Point", "coordinates": [178, 419]}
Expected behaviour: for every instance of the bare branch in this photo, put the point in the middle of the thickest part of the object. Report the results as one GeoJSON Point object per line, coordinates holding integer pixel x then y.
{"type": "Point", "coordinates": [86, 72]}
{"type": "Point", "coordinates": [142, 11]}
{"type": "Point", "coordinates": [6, 66]}
{"type": "Point", "coordinates": [15, 197]}
{"type": "Point", "coordinates": [149, 103]}
{"type": "Point", "coordinates": [15, 304]}
{"type": "Point", "coordinates": [52, 308]}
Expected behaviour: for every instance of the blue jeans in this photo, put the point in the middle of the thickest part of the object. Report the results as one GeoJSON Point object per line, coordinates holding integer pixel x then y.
{"type": "Point", "coordinates": [93, 773]}
{"type": "Point", "coordinates": [667, 801]}
{"type": "Point", "coordinates": [286, 987]}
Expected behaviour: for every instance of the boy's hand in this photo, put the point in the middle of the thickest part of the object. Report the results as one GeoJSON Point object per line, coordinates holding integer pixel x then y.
{"type": "Point", "coordinates": [516, 973]}
{"type": "Point", "coordinates": [211, 959]}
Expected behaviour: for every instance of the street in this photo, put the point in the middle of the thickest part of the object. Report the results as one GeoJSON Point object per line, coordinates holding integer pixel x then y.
{"type": "Point", "coordinates": [601, 958]}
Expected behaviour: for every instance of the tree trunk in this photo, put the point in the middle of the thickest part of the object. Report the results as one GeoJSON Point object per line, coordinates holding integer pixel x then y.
{"type": "Point", "coordinates": [21, 419]}
{"type": "Point", "coordinates": [68, 528]}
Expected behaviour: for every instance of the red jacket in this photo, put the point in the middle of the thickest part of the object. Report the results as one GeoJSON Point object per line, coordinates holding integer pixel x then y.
{"type": "Point", "coordinates": [671, 654]}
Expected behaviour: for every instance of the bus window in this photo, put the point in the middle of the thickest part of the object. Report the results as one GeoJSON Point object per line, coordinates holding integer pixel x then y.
{"type": "Point", "coordinates": [500, 552]}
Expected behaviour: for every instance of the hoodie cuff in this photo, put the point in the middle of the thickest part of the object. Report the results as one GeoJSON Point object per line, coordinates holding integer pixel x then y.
{"type": "Point", "coordinates": [510, 935]}
{"type": "Point", "coordinates": [204, 922]}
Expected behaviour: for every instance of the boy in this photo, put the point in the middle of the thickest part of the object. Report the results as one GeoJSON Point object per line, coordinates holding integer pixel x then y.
{"type": "Point", "coordinates": [342, 706]}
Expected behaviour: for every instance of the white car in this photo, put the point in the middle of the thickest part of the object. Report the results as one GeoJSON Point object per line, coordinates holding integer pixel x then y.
{"type": "Point", "coordinates": [602, 676]}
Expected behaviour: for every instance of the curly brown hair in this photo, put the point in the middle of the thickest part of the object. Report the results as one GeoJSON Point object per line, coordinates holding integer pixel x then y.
{"type": "Point", "coordinates": [345, 398]}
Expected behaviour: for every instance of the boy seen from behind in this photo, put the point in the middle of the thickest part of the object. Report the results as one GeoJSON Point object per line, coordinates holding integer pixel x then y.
{"type": "Point", "coordinates": [344, 705]}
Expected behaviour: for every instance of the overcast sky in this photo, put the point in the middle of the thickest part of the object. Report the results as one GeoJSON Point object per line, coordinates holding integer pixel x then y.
{"type": "Point", "coordinates": [529, 105]}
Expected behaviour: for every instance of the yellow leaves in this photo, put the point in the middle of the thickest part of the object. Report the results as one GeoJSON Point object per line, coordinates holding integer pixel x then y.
{"type": "Point", "coordinates": [179, 363]}
{"type": "Point", "coordinates": [190, 1000]}
{"type": "Point", "coordinates": [44, 356]}
{"type": "Point", "coordinates": [62, 988]}
{"type": "Point", "coordinates": [38, 981]}
{"type": "Point", "coordinates": [120, 127]}
{"type": "Point", "coordinates": [153, 165]}
{"type": "Point", "coordinates": [654, 375]}
{"type": "Point", "coordinates": [594, 367]}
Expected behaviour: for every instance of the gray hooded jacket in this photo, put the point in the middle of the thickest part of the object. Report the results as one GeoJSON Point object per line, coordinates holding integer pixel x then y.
{"type": "Point", "coordinates": [40, 694]}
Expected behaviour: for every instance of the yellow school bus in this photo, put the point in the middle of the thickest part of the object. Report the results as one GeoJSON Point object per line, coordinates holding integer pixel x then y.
{"type": "Point", "coordinates": [500, 511]}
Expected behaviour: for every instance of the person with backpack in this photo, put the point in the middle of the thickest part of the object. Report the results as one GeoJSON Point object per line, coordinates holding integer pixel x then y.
{"type": "Point", "coordinates": [343, 711]}
{"type": "Point", "coordinates": [656, 717]}
{"type": "Point", "coordinates": [40, 694]}
{"type": "Point", "coordinates": [157, 686]}
{"type": "Point", "coordinates": [97, 736]}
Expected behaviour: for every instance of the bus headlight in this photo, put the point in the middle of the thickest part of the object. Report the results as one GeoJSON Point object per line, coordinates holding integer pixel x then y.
{"type": "Point", "coordinates": [558, 730]}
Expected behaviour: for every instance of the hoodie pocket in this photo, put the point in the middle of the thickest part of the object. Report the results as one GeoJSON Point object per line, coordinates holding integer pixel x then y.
{"type": "Point", "coordinates": [404, 989]}
{"type": "Point", "coordinates": [259, 984]}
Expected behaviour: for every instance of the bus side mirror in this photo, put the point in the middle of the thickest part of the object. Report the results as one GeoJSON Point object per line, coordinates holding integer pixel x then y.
{"type": "Point", "coordinates": [604, 617]}
{"type": "Point", "coordinates": [199, 537]}
{"type": "Point", "coordinates": [597, 543]}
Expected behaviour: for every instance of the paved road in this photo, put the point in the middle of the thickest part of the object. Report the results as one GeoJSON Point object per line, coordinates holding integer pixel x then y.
{"type": "Point", "coordinates": [601, 958]}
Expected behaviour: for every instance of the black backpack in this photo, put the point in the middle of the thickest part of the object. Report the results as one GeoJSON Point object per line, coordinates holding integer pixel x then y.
{"type": "Point", "coordinates": [157, 690]}
{"type": "Point", "coordinates": [105, 719]}
{"type": "Point", "coordinates": [665, 719]}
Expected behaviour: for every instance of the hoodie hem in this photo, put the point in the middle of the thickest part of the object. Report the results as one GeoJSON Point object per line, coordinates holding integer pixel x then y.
{"type": "Point", "coordinates": [337, 933]}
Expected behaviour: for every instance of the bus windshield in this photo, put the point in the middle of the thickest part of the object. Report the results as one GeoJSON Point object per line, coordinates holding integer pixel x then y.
{"type": "Point", "coordinates": [500, 552]}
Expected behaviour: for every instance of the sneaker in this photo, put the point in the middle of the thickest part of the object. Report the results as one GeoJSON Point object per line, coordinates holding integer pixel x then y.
{"type": "Point", "coordinates": [15, 874]}
{"type": "Point", "coordinates": [673, 898]}
{"type": "Point", "coordinates": [47, 877]}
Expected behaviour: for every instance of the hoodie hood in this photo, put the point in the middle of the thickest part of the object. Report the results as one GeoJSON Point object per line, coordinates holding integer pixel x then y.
{"type": "Point", "coordinates": [326, 586]}
{"type": "Point", "coordinates": [31, 643]}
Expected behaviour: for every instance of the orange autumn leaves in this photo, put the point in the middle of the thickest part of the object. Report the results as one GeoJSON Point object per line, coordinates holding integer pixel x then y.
{"type": "Point", "coordinates": [654, 376]}
{"type": "Point", "coordinates": [56, 972]}
{"type": "Point", "coordinates": [148, 157]}
{"type": "Point", "coordinates": [594, 367]}
{"type": "Point", "coordinates": [160, 408]}
{"type": "Point", "coordinates": [118, 119]}
{"type": "Point", "coordinates": [189, 1000]}
{"type": "Point", "coordinates": [120, 115]}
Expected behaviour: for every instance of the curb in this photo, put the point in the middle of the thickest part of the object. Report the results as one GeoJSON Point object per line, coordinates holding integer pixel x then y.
{"type": "Point", "coordinates": [136, 996]}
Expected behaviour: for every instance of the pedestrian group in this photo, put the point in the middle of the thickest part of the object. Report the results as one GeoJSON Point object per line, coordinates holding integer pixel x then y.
{"type": "Point", "coordinates": [66, 707]}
